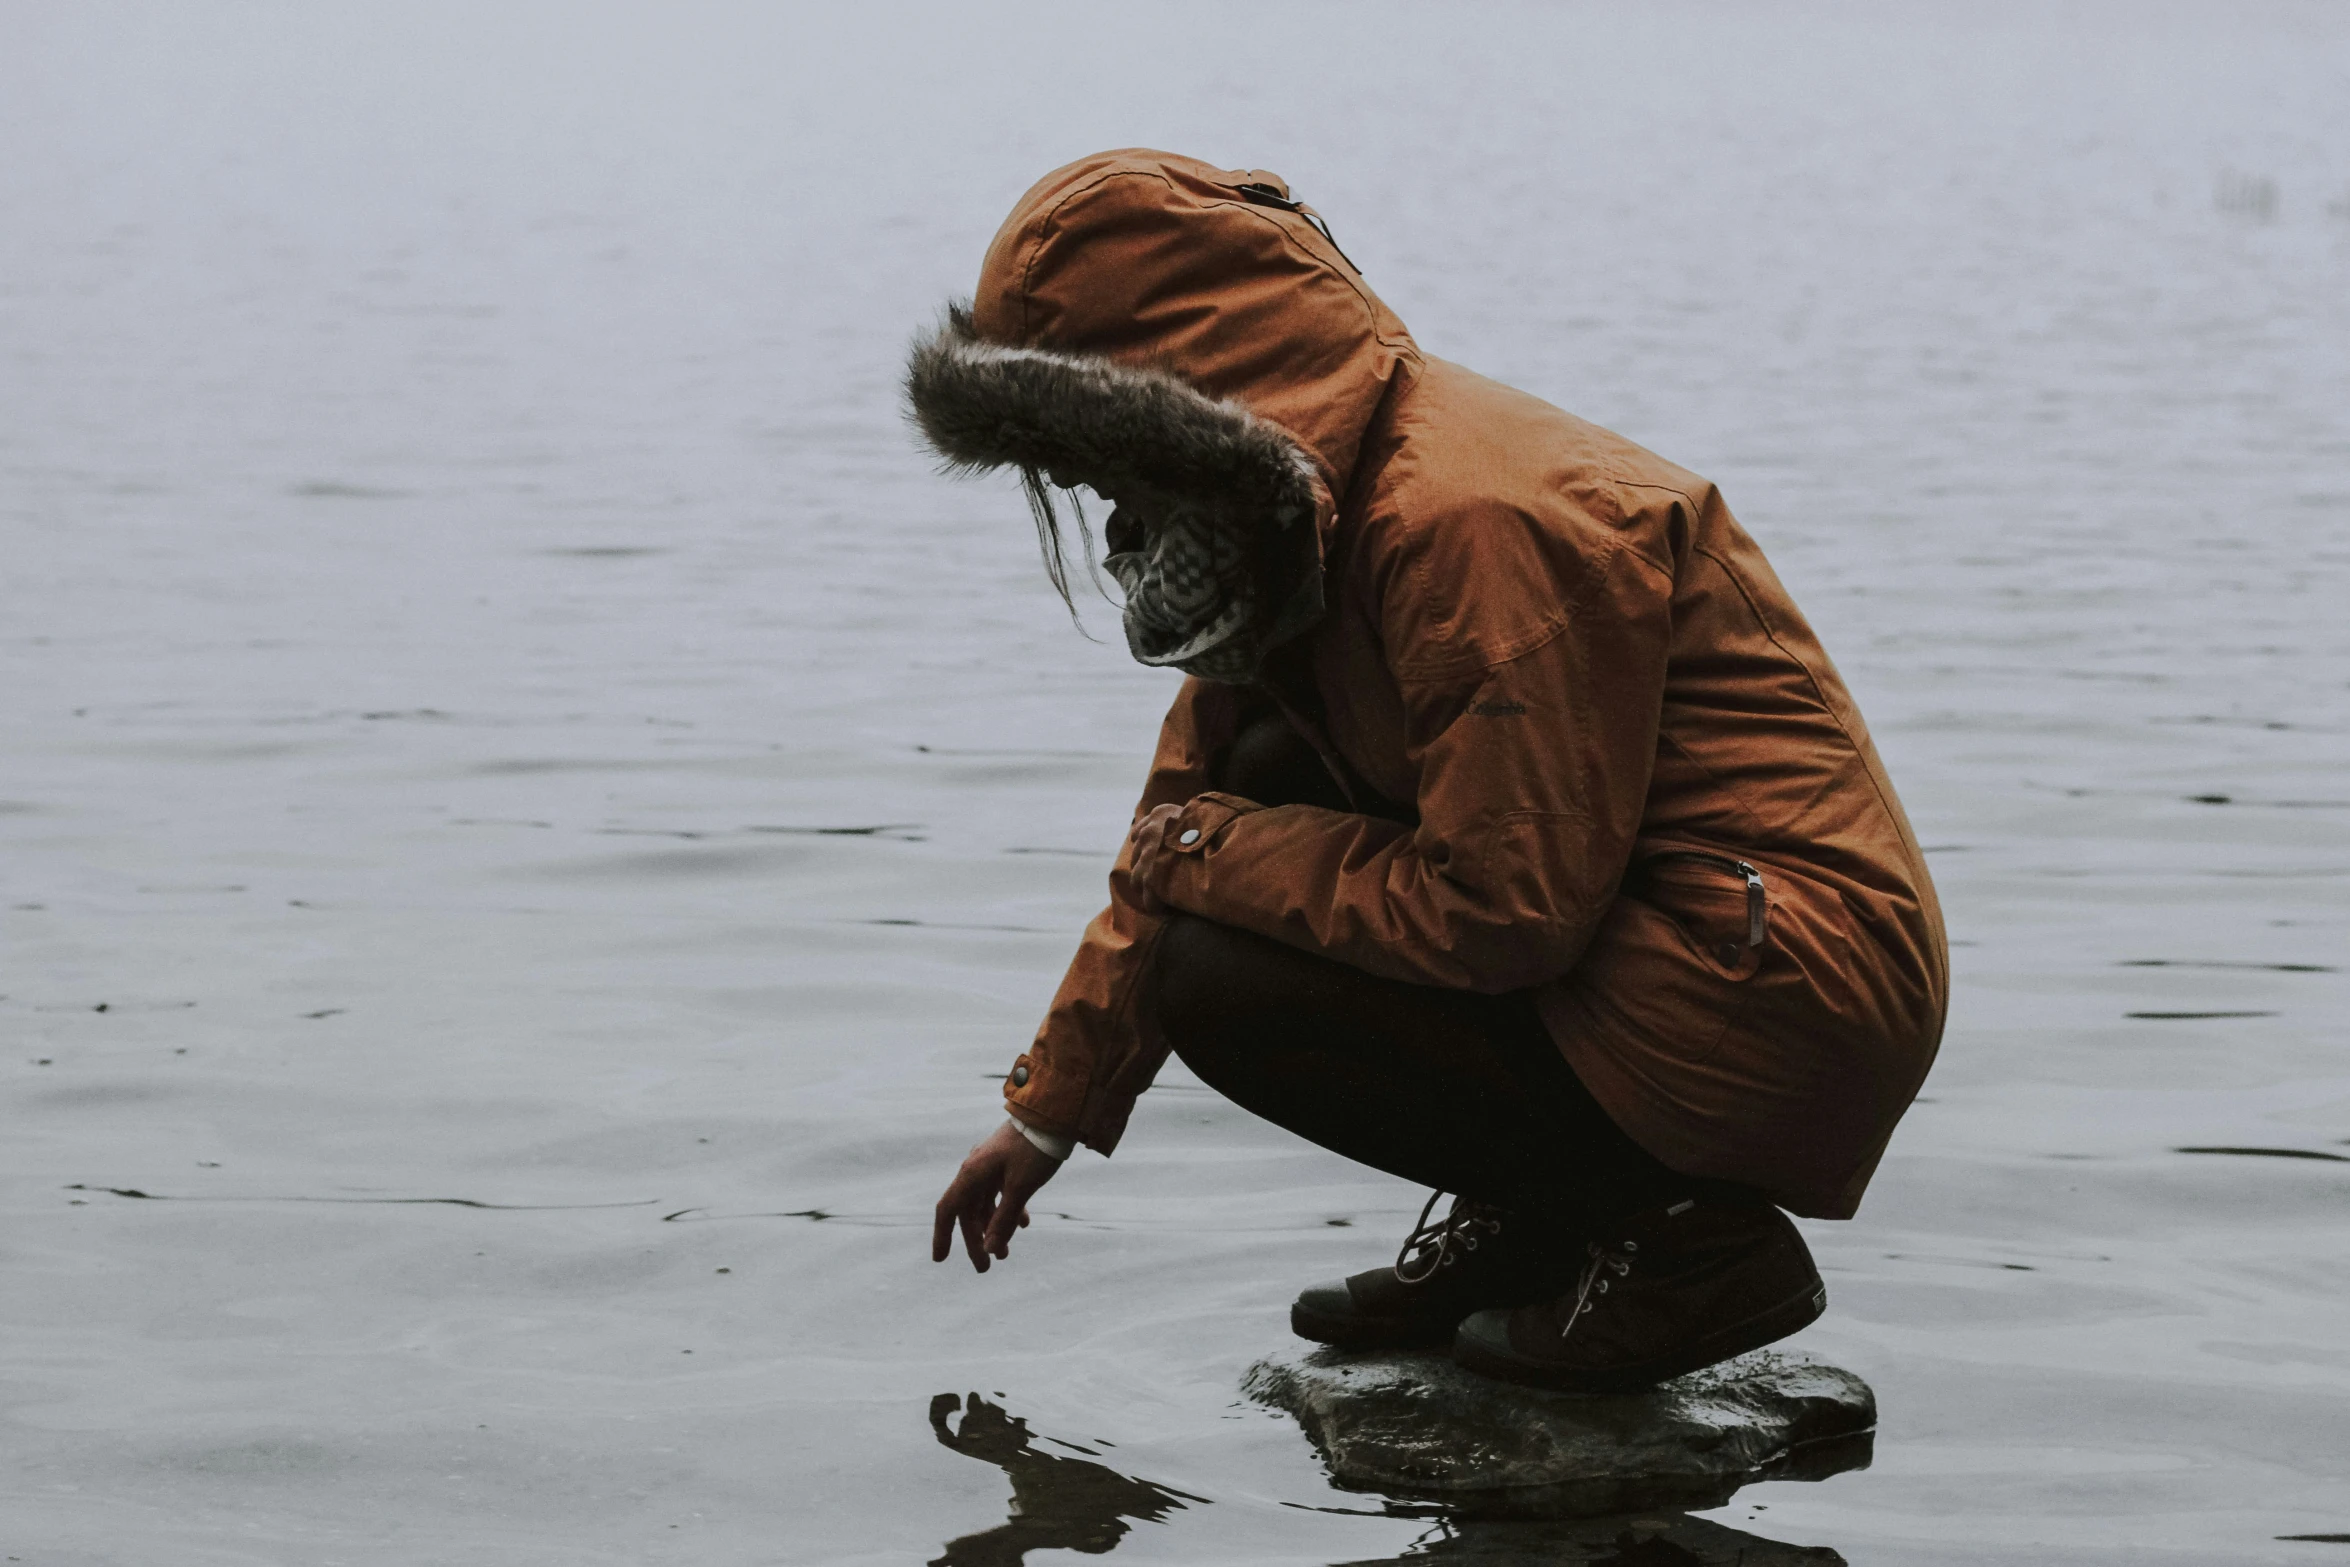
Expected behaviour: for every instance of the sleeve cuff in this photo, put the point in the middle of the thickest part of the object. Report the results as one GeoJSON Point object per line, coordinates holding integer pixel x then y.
{"type": "Point", "coordinates": [1046, 1143]}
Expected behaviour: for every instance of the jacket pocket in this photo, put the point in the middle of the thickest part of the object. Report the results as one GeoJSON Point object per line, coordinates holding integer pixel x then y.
{"type": "Point", "coordinates": [1720, 904]}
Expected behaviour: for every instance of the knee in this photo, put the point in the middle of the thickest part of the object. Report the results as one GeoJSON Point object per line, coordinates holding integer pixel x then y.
{"type": "Point", "coordinates": [1183, 963]}
{"type": "Point", "coordinates": [1193, 968]}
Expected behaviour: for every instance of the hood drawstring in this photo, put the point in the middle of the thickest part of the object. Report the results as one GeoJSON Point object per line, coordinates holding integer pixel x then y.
{"type": "Point", "coordinates": [1266, 196]}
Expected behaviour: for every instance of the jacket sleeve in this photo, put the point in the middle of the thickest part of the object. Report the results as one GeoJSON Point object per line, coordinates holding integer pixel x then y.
{"type": "Point", "coordinates": [1091, 1056]}
{"type": "Point", "coordinates": [1534, 768]}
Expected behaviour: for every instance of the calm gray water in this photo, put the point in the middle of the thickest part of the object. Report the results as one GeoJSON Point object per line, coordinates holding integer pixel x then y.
{"type": "Point", "coordinates": [533, 820]}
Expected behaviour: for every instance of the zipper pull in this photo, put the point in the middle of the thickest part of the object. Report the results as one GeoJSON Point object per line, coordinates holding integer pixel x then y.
{"type": "Point", "coordinates": [1758, 911]}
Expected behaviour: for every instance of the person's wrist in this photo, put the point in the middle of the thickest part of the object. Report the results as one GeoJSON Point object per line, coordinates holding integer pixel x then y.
{"type": "Point", "coordinates": [1052, 1145]}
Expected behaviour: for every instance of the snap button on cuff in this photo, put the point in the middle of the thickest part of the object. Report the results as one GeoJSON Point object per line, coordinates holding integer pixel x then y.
{"type": "Point", "coordinates": [1190, 835]}
{"type": "Point", "coordinates": [1019, 1077]}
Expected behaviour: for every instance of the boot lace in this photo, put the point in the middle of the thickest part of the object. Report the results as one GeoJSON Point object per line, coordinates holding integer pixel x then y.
{"type": "Point", "coordinates": [1431, 1248]}
{"type": "Point", "coordinates": [1602, 1264]}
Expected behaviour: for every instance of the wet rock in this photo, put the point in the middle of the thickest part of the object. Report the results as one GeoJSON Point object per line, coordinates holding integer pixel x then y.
{"type": "Point", "coordinates": [1415, 1426]}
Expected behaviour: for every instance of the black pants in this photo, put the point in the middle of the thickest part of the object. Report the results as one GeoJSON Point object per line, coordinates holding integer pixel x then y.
{"type": "Point", "coordinates": [1447, 1088]}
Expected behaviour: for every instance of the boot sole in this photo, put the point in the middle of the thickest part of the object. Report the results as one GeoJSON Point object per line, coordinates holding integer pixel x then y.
{"type": "Point", "coordinates": [1352, 1332]}
{"type": "Point", "coordinates": [1767, 1327]}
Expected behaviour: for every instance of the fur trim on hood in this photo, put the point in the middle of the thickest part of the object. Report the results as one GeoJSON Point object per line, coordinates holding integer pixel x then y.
{"type": "Point", "coordinates": [1086, 419]}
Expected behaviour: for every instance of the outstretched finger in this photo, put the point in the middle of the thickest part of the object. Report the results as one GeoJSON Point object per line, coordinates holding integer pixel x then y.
{"type": "Point", "coordinates": [942, 1226]}
{"type": "Point", "coordinates": [950, 1206]}
{"type": "Point", "coordinates": [1010, 1215]}
{"type": "Point", "coordinates": [1000, 1227]}
{"type": "Point", "coordinates": [974, 1217]}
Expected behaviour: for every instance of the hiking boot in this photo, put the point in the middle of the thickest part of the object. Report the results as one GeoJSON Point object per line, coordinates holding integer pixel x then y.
{"type": "Point", "coordinates": [1669, 1291]}
{"type": "Point", "coordinates": [1474, 1257]}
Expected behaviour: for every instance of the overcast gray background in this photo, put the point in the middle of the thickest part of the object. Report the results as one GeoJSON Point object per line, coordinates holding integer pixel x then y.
{"type": "Point", "coordinates": [457, 539]}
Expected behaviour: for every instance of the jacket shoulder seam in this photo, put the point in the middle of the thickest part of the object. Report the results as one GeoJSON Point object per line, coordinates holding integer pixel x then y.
{"type": "Point", "coordinates": [1471, 659]}
{"type": "Point", "coordinates": [1810, 676]}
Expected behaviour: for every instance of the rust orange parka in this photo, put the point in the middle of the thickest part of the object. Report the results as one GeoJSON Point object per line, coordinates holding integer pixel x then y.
{"type": "Point", "coordinates": [1600, 755]}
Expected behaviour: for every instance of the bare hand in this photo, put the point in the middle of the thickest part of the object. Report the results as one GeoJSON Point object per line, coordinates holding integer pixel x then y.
{"type": "Point", "coordinates": [989, 1195]}
{"type": "Point", "coordinates": [1148, 841]}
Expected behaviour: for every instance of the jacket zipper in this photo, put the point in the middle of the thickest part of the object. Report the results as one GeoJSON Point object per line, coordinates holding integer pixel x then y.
{"type": "Point", "coordinates": [1758, 909]}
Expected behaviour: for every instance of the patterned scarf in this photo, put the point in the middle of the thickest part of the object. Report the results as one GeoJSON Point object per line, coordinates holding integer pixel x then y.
{"type": "Point", "coordinates": [1192, 600]}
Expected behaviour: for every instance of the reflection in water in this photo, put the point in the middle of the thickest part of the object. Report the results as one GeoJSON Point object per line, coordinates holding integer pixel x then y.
{"type": "Point", "coordinates": [1071, 1504]}
{"type": "Point", "coordinates": [1058, 1504]}
{"type": "Point", "coordinates": [1643, 1540]}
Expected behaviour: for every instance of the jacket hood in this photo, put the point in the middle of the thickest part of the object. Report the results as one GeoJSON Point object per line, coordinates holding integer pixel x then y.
{"type": "Point", "coordinates": [1147, 318]}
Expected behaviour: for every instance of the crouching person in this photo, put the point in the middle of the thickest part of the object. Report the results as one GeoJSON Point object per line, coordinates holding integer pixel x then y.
{"type": "Point", "coordinates": [1512, 834]}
